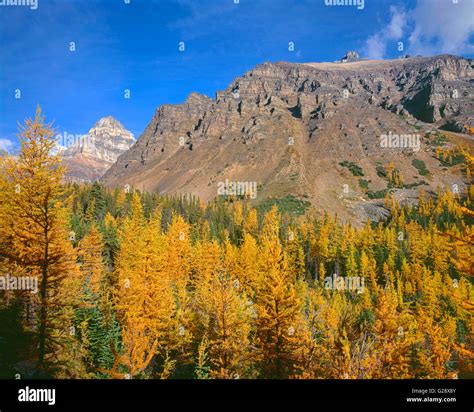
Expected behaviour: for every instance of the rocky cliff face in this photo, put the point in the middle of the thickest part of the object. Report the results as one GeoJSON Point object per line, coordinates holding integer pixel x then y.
{"type": "Point", "coordinates": [91, 155]}
{"type": "Point", "coordinates": [289, 127]}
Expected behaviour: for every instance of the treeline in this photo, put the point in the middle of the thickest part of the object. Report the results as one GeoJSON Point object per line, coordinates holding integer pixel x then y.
{"type": "Point", "coordinates": [138, 285]}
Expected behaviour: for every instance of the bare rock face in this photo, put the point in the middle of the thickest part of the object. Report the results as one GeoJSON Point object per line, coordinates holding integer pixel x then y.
{"type": "Point", "coordinates": [439, 89]}
{"type": "Point", "coordinates": [89, 157]}
{"type": "Point", "coordinates": [288, 127]}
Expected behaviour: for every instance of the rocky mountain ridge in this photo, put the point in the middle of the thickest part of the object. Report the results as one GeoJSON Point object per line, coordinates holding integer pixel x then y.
{"type": "Point", "coordinates": [289, 127]}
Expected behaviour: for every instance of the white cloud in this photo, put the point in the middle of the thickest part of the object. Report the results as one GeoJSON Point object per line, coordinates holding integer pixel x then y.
{"type": "Point", "coordinates": [376, 45]}
{"type": "Point", "coordinates": [432, 27]}
{"type": "Point", "coordinates": [397, 23]}
{"type": "Point", "coordinates": [6, 144]}
{"type": "Point", "coordinates": [442, 27]}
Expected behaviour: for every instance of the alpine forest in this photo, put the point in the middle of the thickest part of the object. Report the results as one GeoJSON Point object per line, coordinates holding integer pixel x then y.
{"type": "Point", "coordinates": [130, 284]}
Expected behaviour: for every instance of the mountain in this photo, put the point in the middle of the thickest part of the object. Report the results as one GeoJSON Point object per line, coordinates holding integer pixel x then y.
{"type": "Point", "coordinates": [324, 133]}
{"type": "Point", "coordinates": [89, 157]}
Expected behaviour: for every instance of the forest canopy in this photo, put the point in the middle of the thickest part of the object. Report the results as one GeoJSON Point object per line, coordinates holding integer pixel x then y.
{"type": "Point", "coordinates": [139, 285]}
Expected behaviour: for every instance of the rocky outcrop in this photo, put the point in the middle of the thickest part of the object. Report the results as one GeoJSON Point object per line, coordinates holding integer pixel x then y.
{"type": "Point", "coordinates": [439, 90]}
{"type": "Point", "coordinates": [350, 57]}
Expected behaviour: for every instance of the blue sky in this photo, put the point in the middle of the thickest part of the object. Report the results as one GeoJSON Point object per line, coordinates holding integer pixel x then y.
{"type": "Point", "coordinates": [135, 46]}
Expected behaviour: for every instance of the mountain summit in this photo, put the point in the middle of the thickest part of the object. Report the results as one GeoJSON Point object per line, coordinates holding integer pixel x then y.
{"type": "Point", "coordinates": [337, 135]}
{"type": "Point", "coordinates": [111, 126]}
{"type": "Point", "coordinates": [90, 155]}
